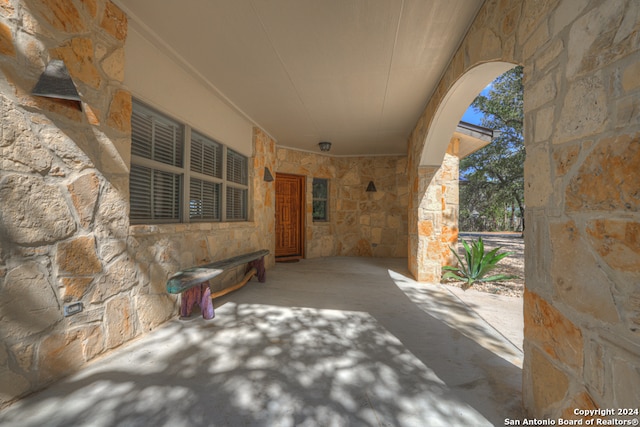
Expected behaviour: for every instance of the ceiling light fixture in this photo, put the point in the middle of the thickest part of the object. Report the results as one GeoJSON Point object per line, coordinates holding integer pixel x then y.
{"type": "Point", "coordinates": [324, 146]}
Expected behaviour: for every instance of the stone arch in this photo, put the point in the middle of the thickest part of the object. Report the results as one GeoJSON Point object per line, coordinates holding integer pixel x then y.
{"type": "Point", "coordinates": [437, 214]}
{"type": "Point", "coordinates": [453, 106]}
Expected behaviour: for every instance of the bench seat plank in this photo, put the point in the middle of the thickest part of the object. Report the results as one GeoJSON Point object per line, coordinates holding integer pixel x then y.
{"type": "Point", "coordinates": [185, 279]}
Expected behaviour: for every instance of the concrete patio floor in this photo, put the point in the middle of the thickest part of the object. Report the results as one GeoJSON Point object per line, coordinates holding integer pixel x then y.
{"type": "Point", "coordinates": [324, 342]}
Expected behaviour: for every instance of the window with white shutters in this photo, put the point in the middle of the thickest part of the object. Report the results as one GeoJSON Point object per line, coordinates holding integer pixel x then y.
{"type": "Point", "coordinates": [206, 156]}
{"type": "Point", "coordinates": [211, 185]}
{"type": "Point", "coordinates": [156, 137]}
{"type": "Point", "coordinates": [204, 200]}
{"type": "Point", "coordinates": [236, 167]}
{"type": "Point", "coordinates": [236, 203]}
{"type": "Point", "coordinates": [237, 173]}
{"type": "Point", "coordinates": [206, 179]}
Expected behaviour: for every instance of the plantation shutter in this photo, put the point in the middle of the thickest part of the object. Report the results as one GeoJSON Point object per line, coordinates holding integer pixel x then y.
{"type": "Point", "coordinates": [205, 200]}
{"type": "Point", "coordinates": [236, 168]}
{"type": "Point", "coordinates": [156, 137]}
{"type": "Point", "coordinates": [140, 192]}
{"type": "Point", "coordinates": [236, 203]}
{"type": "Point", "coordinates": [166, 192]}
{"type": "Point", "coordinates": [141, 132]}
{"type": "Point", "coordinates": [237, 172]}
{"type": "Point", "coordinates": [206, 156]}
{"type": "Point", "coordinates": [154, 194]}
{"type": "Point", "coordinates": [214, 177]}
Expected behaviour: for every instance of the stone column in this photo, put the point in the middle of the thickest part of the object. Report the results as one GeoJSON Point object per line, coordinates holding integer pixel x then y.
{"type": "Point", "coordinates": [437, 229]}
{"type": "Point", "coordinates": [264, 200]}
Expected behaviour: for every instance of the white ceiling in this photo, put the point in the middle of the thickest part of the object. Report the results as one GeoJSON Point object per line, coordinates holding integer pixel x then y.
{"type": "Point", "coordinates": [357, 73]}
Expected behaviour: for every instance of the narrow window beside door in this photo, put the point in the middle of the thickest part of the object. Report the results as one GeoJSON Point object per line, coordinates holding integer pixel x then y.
{"type": "Point", "coordinates": [320, 199]}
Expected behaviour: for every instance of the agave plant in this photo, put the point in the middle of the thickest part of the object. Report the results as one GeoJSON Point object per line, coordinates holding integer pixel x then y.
{"type": "Point", "coordinates": [476, 265]}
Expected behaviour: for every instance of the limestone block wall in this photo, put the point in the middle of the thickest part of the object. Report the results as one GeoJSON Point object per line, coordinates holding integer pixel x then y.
{"type": "Point", "coordinates": [63, 193]}
{"type": "Point", "coordinates": [448, 177]}
{"type": "Point", "coordinates": [583, 201]}
{"type": "Point", "coordinates": [360, 223]}
{"type": "Point", "coordinates": [438, 213]}
{"type": "Point", "coordinates": [64, 201]}
{"type": "Point", "coordinates": [582, 135]}
{"type": "Point", "coordinates": [436, 216]}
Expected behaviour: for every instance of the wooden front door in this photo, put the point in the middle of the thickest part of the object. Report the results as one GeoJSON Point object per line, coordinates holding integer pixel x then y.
{"type": "Point", "coordinates": [289, 216]}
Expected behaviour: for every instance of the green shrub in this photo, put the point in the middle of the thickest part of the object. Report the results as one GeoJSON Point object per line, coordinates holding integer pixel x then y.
{"type": "Point", "coordinates": [476, 265]}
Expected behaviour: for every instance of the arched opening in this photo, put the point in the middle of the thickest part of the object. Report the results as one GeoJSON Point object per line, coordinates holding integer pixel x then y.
{"type": "Point", "coordinates": [491, 181]}
{"type": "Point", "coordinates": [453, 106]}
{"type": "Point", "coordinates": [438, 213]}
{"type": "Point", "coordinates": [491, 207]}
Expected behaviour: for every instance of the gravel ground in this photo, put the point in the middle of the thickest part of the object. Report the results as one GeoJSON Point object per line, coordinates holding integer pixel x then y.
{"type": "Point", "coordinates": [510, 265]}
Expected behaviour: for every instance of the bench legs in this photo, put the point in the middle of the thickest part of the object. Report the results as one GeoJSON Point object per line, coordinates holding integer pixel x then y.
{"type": "Point", "coordinates": [201, 295]}
{"type": "Point", "coordinates": [258, 264]}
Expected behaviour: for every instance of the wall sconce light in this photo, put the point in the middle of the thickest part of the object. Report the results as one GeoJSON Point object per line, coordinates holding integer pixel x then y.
{"type": "Point", "coordinates": [324, 146]}
{"type": "Point", "coordinates": [55, 82]}
{"type": "Point", "coordinates": [267, 175]}
{"type": "Point", "coordinates": [371, 187]}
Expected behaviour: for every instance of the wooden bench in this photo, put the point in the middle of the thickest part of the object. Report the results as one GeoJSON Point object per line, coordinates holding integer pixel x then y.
{"type": "Point", "coordinates": [193, 285]}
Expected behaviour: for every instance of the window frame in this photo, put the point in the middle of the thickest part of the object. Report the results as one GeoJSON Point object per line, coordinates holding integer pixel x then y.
{"type": "Point", "coordinates": [324, 200]}
{"type": "Point", "coordinates": [186, 174]}
{"type": "Point", "coordinates": [234, 185]}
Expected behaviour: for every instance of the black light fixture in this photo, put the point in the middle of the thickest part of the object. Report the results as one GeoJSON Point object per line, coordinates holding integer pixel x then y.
{"type": "Point", "coordinates": [371, 187]}
{"type": "Point", "coordinates": [267, 175]}
{"type": "Point", "coordinates": [55, 82]}
{"type": "Point", "coordinates": [324, 146]}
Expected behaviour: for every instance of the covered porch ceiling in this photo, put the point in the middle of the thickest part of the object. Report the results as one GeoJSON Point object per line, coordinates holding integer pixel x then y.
{"type": "Point", "coordinates": [357, 73]}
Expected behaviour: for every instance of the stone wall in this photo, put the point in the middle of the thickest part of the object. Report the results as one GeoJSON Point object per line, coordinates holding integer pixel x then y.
{"type": "Point", "coordinates": [64, 194]}
{"type": "Point", "coordinates": [582, 133]}
{"type": "Point", "coordinates": [360, 223]}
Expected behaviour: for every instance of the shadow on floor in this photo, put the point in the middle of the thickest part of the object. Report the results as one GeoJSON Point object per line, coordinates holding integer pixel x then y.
{"type": "Point", "coordinates": [326, 342]}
